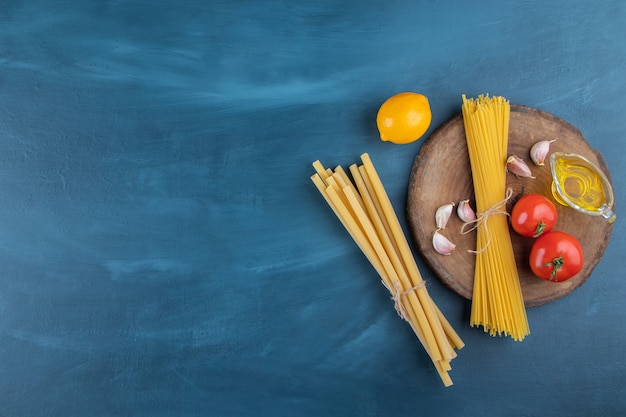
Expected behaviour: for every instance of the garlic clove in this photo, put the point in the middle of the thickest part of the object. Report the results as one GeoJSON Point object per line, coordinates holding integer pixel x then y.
{"type": "Point", "coordinates": [442, 215]}
{"type": "Point", "coordinates": [465, 212]}
{"type": "Point", "coordinates": [517, 166]}
{"type": "Point", "coordinates": [539, 151]}
{"type": "Point", "coordinates": [442, 244]}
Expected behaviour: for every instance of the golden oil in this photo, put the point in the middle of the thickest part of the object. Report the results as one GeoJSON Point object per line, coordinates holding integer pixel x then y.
{"type": "Point", "coordinates": [580, 184]}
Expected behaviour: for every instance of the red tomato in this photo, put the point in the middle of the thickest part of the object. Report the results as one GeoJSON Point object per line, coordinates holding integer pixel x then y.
{"type": "Point", "coordinates": [532, 215]}
{"type": "Point", "coordinates": [556, 256]}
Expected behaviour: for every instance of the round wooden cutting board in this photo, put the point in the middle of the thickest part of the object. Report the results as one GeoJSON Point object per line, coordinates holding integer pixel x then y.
{"type": "Point", "coordinates": [441, 174]}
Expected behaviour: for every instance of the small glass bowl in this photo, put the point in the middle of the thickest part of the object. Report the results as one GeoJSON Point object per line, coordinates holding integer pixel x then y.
{"type": "Point", "coordinates": [605, 209]}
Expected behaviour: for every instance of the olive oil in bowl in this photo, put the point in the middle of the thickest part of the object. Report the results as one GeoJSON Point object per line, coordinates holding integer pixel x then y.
{"type": "Point", "coordinates": [578, 183]}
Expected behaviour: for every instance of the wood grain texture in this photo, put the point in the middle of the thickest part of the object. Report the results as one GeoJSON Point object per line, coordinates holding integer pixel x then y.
{"type": "Point", "coordinates": [442, 174]}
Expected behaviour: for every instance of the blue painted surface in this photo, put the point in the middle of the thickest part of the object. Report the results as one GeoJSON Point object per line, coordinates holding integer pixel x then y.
{"type": "Point", "coordinates": [163, 252]}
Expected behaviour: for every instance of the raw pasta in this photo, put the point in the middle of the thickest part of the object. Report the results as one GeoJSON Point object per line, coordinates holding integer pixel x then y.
{"type": "Point", "coordinates": [497, 300]}
{"type": "Point", "coordinates": [363, 207]}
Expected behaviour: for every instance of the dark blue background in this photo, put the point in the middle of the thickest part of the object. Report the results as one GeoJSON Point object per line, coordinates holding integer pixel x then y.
{"type": "Point", "coordinates": [164, 253]}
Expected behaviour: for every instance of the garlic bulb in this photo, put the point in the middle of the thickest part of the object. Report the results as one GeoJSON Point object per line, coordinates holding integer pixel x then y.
{"type": "Point", "coordinates": [517, 166]}
{"type": "Point", "coordinates": [442, 244]}
{"type": "Point", "coordinates": [442, 215]}
{"type": "Point", "coordinates": [539, 151]}
{"type": "Point", "coordinates": [465, 212]}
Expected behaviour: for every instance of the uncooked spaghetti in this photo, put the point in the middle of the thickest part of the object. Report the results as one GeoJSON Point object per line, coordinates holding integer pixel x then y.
{"type": "Point", "coordinates": [497, 300]}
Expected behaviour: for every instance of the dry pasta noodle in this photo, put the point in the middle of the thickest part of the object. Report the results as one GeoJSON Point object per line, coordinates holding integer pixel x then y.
{"type": "Point", "coordinates": [363, 207]}
{"type": "Point", "coordinates": [497, 300]}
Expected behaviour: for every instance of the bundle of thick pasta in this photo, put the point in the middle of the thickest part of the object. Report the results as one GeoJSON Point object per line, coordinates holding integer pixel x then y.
{"type": "Point", "coordinates": [364, 208]}
{"type": "Point", "coordinates": [497, 301]}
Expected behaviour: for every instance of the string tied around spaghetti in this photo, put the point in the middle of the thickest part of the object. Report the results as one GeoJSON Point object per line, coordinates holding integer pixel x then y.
{"type": "Point", "coordinates": [481, 219]}
{"type": "Point", "coordinates": [397, 294]}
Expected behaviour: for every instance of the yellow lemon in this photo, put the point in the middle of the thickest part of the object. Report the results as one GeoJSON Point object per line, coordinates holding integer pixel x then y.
{"type": "Point", "coordinates": [403, 118]}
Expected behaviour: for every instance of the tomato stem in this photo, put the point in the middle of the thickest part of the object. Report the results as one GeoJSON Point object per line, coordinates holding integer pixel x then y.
{"type": "Point", "coordinates": [556, 264]}
{"type": "Point", "coordinates": [541, 227]}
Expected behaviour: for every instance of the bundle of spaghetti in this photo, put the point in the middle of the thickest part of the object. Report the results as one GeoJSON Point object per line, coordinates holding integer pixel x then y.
{"type": "Point", "coordinates": [363, 207]}
{"type": "Point", "coordinates": [497, 300]}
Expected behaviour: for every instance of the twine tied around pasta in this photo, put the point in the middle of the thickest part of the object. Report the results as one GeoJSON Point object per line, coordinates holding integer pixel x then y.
{"type": "Point", "coordinates": [481, 219]}
{"type": "Point", "coordinates": [397, 294]}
